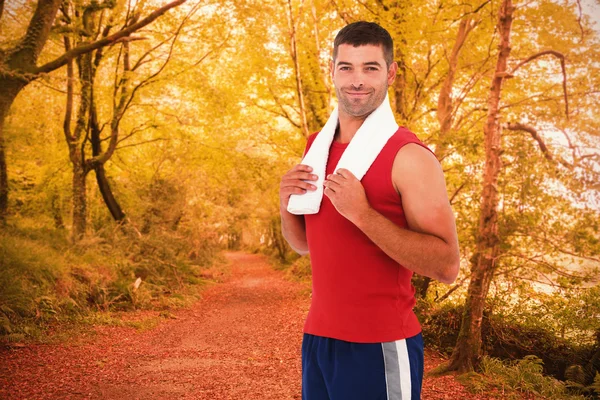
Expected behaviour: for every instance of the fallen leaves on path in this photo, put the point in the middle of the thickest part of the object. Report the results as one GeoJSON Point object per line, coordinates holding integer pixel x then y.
{"type": "Point", "coordinates": [240, 341]}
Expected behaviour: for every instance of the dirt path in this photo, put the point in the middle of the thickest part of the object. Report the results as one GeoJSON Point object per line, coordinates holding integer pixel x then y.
{"type": "Point", "coordinates": [241, 341]}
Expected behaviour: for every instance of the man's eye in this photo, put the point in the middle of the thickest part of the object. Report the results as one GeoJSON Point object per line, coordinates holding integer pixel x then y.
{"type": "Point", "coordinates": [344, 68]}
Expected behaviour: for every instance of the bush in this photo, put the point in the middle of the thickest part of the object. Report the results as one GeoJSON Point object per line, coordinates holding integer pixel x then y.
{"type": "Point", "coordinates": [505, 340]}
{"type": "Point", "coordinates": [44, 278]}
{"type": "Point", "coordinates": [516, 378]}
{"type": "Point", "coordinates": [301, 268]}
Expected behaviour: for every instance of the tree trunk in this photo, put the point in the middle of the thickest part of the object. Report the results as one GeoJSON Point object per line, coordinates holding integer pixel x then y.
{"type": "Point", "coordinates": [467, 353]}
{"type": "Point", "coordinates": [107, 195]}
{"type": "Point", "coordinates": [421, 284]}
{"type": "Point", "coordinates": [445, 108]}
{"type": "Point", "coordinates": [400, 86]}
{"type": "Point", "coordinates": [56, 211]}
{"type": "Point", "coordinates": [103, 184]}
{"type": "Point", "coordinates": [294, 54]}
{"type": "Point", "coordinates": [77, 140]}
{"type": "Point", "coordinates": [10, 89]}
{"type": "Point", "coordinates": [277, 239]}
{"type": "Point", "coordinates": [16, 66]}
{"type": "Point", "coordinates": [79, 201]}
{"type": "Point", "coordinates": [400, 89]}
{"type": "Point", "coordinates": [3, 175]}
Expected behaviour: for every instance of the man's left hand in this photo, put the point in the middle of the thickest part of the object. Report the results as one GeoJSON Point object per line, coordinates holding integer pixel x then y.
{"type": "Point", "coordinates": [346, 194]}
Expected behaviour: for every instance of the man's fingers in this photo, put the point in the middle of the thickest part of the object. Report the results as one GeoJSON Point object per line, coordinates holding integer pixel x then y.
{"type": "Point", "coordinates": [335, 178]}
{"type": "Point", "coordinates": [293, 190]}
{"type": "Point", "coordinates": [345, 173]}
{"type": "Point", "coordinates": [297, 190]}
{"type": "Point", "coordinates": [302, 167]}
{"type": "Point", "coordinates": [305, 176]}
{"type": "Point", "coordinates": [331, 185]}
{"type": "Point", "coordinates": [291, 183]}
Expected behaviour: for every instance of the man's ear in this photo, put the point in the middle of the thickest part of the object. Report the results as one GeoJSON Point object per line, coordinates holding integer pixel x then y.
{"type": "Point", "coordinates": [392, 70]}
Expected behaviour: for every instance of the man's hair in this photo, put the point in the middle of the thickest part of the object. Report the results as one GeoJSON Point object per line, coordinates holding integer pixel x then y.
{"type": "Point", "coordinates": [362, 33]}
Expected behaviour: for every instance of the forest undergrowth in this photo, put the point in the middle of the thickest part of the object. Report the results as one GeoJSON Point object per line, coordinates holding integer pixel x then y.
{"type": "Point", "coordinates": [45, 279]}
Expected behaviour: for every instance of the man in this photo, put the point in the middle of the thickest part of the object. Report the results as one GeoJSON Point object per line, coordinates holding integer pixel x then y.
{"type": "Point", "coordinates": [362, 341]}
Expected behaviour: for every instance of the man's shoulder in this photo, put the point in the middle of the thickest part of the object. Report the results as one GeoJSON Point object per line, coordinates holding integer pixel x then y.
{"type": "Point", "coordinates": [405, 141]}
{"type": "Point", "coordinates": [404, 135]}
{"type": "Point", "coordinates": [416, 151]}
{"type": "Point", "coordinates": [415, 161]}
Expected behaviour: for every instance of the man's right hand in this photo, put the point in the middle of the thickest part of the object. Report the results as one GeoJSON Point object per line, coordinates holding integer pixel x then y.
{"type": "Point", "coordinates": [293, 182]}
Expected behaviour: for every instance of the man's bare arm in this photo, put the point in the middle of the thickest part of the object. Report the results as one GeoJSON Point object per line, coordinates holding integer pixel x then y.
{"type": "Point", "coordinates": [430, 246]}
{"type": "Point", "coordinates": [293, 226]}
{"type": "Point", "coordinates": [294, 231]}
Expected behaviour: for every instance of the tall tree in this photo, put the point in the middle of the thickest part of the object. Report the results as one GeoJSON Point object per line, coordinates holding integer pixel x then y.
{"type": "Point", "coordinates": [467, 352]}
{"type": "Point", "coordinates": [499, 237]}
{"type": "Point", "coordinates": [18, 66]}
{"type": "Point", "coordinates": [87, 126]}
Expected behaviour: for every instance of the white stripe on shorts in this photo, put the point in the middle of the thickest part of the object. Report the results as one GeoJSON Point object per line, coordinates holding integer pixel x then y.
{"type": "Point", "coordinates": [397, 370]}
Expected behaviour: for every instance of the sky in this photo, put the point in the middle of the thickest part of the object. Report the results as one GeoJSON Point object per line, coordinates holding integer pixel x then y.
{"type": "Point", "coordinates": [592, 8]}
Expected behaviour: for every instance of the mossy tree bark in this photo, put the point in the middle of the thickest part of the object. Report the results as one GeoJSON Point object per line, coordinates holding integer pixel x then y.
{"type": "Point", "coordinates": [17, 69]}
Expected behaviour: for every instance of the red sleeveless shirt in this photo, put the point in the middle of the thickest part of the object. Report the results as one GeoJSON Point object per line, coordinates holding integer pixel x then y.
{"type": "Point", "coordinates": [359, 293]}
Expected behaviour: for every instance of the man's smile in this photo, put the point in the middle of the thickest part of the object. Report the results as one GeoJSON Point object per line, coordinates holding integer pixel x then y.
{"type": "Point", "coordinates": [358, 95]}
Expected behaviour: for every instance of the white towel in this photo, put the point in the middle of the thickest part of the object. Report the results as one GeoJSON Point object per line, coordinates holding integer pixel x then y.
{"type": "Point", "coordinates": [363, 149]}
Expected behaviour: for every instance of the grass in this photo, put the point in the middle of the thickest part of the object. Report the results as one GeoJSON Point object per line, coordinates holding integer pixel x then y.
{"type": "Point", "coordinates": [516, 379]}
{"type": "Point", "coordinates": [45, 281]}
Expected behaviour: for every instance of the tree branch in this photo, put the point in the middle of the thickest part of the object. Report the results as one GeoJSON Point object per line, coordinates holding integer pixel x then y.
{"type": "Point", "coordinates": [26, 52]}
{"type": "Point", "coordinates": [137, 129]}
{"type": "Point", "coordinates": [517, 126]}
{"type": "Point", "coordinates": [126, 96]}
{"type": "Point", "coordinates": [539, 260]}
{"type": "Point", "coordinates": [100, 53]}
{"type": "Point", "coordinates": [118, 112]}
{"type": "Point", "coordinates": [555, 246]}
{"type": "Point", "coordinates": [69, 106]}
{"type": "Point", "coordinates": [579, 20]}
{"type": "Point", "coordinates": [144, 142]}
{"type": "Point", "coordinates": [341, 13]}
{"type": "Point", "coordinates": [451, 290]}
{"type": "Point", "coordinates": [173, 37]}
{"type": "Point", "coordinates": [86, 48]}
{"type": "Point", "coordinates": [445, 111]}
{"type": "Point", "coordinates": [283, 114]}
{"type": "Point", "coordinates": [571, 146]}
{"type": "Point", "coordinates": [556, 54]}
{"type": "Point", "coordinates": [456, 192]}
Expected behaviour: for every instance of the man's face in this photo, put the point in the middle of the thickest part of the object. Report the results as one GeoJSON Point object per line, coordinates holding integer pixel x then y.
{"type": "Point", "coordinates": [361, 78]}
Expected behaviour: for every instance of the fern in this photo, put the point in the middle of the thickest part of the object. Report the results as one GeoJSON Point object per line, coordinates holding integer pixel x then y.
{"type": "Point", "coordinates": [596, 385]}
{"type": "Point", "coordinates": [521, 376]}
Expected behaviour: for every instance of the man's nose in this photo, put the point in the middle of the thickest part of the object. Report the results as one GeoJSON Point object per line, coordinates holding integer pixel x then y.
{"type": "Point", "coordinates": [357, 80]}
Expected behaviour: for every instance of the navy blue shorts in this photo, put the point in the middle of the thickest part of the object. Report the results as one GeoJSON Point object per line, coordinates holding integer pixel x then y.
{"type": "Point", "coordinates": [337, 370]}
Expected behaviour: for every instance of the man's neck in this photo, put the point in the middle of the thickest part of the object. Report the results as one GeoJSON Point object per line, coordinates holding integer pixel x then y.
{"type": "Point", "coordinates": [347, 128]}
